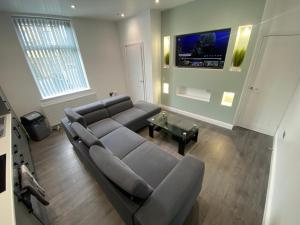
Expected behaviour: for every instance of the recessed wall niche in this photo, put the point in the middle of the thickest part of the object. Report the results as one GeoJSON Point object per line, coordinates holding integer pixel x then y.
{"type": "Point", "coordinates": [166, 51]}
{"type": "Point", "coordinates": [193, 93]}
{"type": "Point", "coordinates": [240, 47]}
{"type": "Point", "coordinates": [166, 88]}
{"type": "Point", "coordinates": [227, 99]}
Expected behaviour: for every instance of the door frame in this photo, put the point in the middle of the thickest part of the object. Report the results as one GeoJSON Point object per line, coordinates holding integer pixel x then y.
{"type": "Point", "coordinates": [141, 45]}
{"type": "Point", "coordinates": [251, 77]}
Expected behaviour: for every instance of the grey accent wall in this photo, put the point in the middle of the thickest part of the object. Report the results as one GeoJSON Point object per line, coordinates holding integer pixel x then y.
{"type": "Point", "coordinates": [205, 16]}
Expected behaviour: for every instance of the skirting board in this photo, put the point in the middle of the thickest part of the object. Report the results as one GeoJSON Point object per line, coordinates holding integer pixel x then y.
{"type": "Point", "coordinates": [257, 129]}
{"type": "Point", "coordinates": [198, 117]}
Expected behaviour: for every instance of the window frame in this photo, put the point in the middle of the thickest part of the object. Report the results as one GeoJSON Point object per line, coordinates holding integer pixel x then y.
{"type": "Point", "coordinates": [61, 95]}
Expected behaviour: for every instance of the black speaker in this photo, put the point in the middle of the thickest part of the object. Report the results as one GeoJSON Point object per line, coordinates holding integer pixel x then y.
{"type": "Point", "coordinates": [2, 173]}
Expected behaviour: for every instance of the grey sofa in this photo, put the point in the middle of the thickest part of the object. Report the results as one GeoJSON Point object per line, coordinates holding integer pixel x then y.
{"type": "Point", "coordinates": [146, 185]}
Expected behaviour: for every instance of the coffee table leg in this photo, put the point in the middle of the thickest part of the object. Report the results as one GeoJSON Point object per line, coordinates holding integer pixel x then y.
{"type": "Point", "coordinates": [181, 146]}
{"type": "Point", "coordinates": [195, 138]}
{"type": "Point", "coordinates": [151, 129]}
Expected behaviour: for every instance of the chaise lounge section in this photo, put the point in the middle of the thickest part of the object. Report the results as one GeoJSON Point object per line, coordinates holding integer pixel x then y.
{"type": "Point", "coordinates": [145, 184]}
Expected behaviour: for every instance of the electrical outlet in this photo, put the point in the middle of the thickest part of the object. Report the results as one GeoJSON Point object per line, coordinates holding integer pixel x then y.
{"type": "Point", "coordinates": [113, 93]}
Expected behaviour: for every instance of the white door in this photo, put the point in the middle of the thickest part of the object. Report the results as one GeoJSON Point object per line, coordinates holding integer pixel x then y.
{"type": "Point", "coordinates": [134, 60]}
{"type": "Point", "coordinates": [278, 73]}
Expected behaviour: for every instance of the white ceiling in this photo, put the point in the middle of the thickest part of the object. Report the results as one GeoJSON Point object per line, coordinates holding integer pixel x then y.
{"type": "Point", "coordinates": [105, 9]}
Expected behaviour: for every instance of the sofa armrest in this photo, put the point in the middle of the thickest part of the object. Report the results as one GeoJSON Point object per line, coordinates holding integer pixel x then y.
{"type": "Point", "coordinates": [176, 194]}
{"type": "Point", "coordinates": [66, 124]}
{"type": "Point", "coordinates": [85, 135]}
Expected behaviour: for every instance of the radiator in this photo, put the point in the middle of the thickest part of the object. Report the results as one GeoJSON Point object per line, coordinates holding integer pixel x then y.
{"type": "Point", "coordinates": [54, 109]}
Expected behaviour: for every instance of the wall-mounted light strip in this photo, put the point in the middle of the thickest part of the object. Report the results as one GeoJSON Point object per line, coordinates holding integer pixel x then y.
{"type": "Point", "coordinates": [167, 44]}
{"type": "Point", "coordinates": [241, 45]}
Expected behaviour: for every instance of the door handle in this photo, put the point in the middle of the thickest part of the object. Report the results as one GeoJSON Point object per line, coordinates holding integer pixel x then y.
{"type": "Point", "coordinates": [251, 88]}
{"type": "Point", "coordinates": [141, 81]}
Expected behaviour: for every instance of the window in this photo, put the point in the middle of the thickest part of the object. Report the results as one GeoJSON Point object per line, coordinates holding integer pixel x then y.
{"type": "Point", "coordinates": [52, 53]}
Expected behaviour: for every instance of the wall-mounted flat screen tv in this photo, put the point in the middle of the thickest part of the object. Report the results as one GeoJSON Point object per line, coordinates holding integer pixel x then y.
{"type": "Point", "coordinates": [202, 50]}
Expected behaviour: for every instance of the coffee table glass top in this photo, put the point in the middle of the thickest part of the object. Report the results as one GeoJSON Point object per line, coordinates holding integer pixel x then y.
{"type": "Point", "coordinates": [175, 124]}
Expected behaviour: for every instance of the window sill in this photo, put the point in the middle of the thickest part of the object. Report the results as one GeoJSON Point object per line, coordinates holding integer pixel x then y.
{"type": "Point", "coordinates": [66, 97]}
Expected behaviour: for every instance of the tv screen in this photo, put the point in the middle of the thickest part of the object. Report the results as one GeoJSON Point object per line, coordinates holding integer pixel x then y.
{"type": "Point", "coordinates": [202, 50]}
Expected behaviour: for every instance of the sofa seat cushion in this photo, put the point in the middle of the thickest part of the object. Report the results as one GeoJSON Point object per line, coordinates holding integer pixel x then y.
{"type": "Point", "coordinates": [129, 116]}
{"type": "Point", "coordinates": [150, 162]}
{"type": "Point", "coordinates": [103, 127]}
{"type": "Point", "coordinates": [122, 141]}
{"type": "Point", "coordinates": [147, 107]}
{"type": "Point", "coordinates": [119, 173]}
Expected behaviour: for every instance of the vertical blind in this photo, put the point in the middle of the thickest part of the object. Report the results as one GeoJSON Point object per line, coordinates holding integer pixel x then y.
{"type": "Point", "coordinates": [52, 53]}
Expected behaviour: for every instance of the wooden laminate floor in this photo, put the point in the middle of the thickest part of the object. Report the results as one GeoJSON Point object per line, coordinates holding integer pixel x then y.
{"type": "Point", "coordinates": [234, 190]}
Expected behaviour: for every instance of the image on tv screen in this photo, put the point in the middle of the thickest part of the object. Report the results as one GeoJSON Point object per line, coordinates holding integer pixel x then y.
{"type": "Point", "coordinates": [202, 50]}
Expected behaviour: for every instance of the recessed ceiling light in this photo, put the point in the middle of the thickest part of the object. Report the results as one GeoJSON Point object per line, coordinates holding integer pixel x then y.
{"type": "Point", "coordinates": [122, 15]}
{"type": "Point", "coordinates": [156, 1]}
{"type": "Point", "coordinates": [72, 6]}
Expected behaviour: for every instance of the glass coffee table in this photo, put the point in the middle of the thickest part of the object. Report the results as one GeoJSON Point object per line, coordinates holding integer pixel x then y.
{"type": "Point", "coordinates": [181, 129]}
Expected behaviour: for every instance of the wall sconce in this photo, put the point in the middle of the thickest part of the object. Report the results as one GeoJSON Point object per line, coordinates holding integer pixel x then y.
{"type": "Point", "coordinates": [167, 44]}
{"type": "Point", "coordinates": [240, 47]}
{"type": "Point", "coordinates": [165, 88]}
{"type": "Point", "coordinates": [227, 99]}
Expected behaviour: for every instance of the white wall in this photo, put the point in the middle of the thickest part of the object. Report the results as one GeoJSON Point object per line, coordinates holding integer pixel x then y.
{"type": "Point", "coordinates": [155, 17]}
{"type": "Point", "coordinates": [145, 28]}
{"type": "Point", "coordinates": [283, 17]}
{"type": "Point", "coordinates": [283, 199]}
{"type": "Point", "coordinates": [99, 46]}
{"type": "Point", "coordinates": [15, 77]}
{"type": "Point", "coordinates": [279, 18]}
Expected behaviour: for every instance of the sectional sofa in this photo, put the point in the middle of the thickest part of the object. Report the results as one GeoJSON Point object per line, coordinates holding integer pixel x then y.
{"type": "Point", "coordinates": [146, 185]}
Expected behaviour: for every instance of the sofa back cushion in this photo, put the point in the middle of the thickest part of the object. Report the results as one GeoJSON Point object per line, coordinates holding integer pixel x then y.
{"type": "Point", "coordinates": [119, 173]}
{"type": "Point", "coordinates": [85, 135]}
{"type": "Point", "coordinates": [92, 112]}
{"type": "Point", "coordinates": [117, 104]}
{"type": "Point", "coordinates": [75, 117]}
